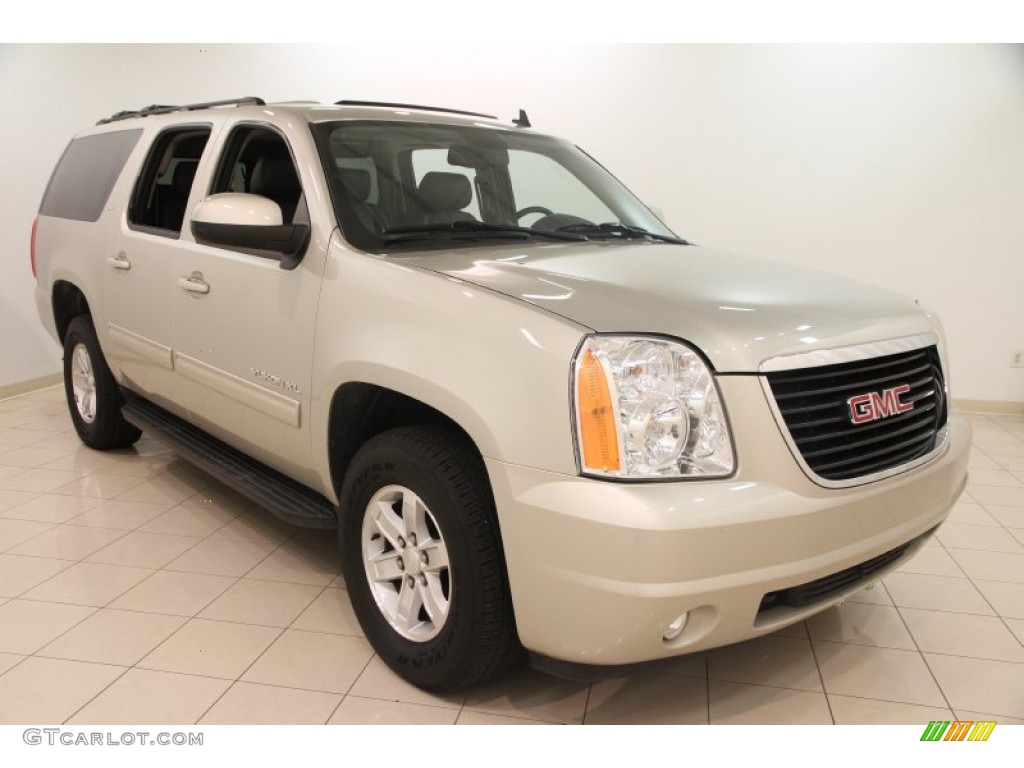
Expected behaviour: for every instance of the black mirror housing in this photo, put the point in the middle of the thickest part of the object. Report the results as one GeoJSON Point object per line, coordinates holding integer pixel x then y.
{"type": "Point", "coordinates": [286, 242]}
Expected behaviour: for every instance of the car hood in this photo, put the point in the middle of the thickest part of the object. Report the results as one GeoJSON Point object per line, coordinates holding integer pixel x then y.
{"type": "Point", "coordinates": [739, 310]}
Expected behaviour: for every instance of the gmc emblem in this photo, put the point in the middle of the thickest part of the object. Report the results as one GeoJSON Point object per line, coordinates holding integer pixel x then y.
{"type": "Point", "coordinates": [873, 406]}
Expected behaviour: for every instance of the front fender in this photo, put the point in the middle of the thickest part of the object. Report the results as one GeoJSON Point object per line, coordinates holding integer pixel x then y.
{"type": "Point", "coordinates": [496, 366]}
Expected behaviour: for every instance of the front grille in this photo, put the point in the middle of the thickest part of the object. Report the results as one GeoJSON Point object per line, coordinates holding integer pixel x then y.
{"type": "Point", "coordinates": [815, 405]}
{"type": "Point", "coordinates": [820, 590]}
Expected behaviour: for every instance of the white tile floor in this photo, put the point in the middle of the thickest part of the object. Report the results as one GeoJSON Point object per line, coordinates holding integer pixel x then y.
{"type": "Point", "coordinates": [135, 589]}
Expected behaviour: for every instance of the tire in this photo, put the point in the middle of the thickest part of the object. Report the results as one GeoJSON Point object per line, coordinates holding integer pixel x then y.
{"type": "Point", "coordinates": [404, 485]}
{"type": "Point", "coordinates": [93, 397]}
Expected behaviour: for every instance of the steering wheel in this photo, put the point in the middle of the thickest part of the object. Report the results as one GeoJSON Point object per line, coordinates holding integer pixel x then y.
{"type": "Point", "coordinates": [533, 209]}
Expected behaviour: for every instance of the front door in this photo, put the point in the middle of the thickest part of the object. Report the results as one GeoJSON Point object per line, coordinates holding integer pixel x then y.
{"type": "Point", "coordinates": [243, 326]}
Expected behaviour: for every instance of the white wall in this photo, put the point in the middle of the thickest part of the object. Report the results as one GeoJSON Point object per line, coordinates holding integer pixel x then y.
{"type": "Point", "coordinates": [899, 165]}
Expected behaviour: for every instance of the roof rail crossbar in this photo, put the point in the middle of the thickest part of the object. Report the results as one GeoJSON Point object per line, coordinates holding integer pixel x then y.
{"type": "Point", "coordinates": [164, 109]}
{"type": "Point", "coordinates": [348, 103]}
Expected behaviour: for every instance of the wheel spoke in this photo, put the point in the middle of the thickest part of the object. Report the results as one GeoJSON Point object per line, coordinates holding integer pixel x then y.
{"type": "Point", "coordinates": [83, 383]}
{"type": "Point", "coordinates": [384, 567]}
{"type": "Point", "coordinates": [409, 603]}
{"type": "Point", "coordinates": [388, 523]}
{"type": "Point", "coordinates": [89, 404]}
{"type": "Point", "coordinates": [414, 517]}
{"type": "Point", "coordinates": [434, 601]}
{"type": "Point", "coordinates": [437, 556]}
{"type": "Point", "coordinates": [405, 559]}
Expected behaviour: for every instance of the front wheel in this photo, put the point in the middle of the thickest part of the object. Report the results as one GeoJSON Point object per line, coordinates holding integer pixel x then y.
{"type": "Point", "coordinates": [93, 397]}
{"type": "Point", "coordinates": [422, 558]}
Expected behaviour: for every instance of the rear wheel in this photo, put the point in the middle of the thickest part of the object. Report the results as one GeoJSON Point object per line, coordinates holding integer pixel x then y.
{"type": "Point", "coordinates": [94, 400]}
{"type": "Point", "coordinates": [422, 558]}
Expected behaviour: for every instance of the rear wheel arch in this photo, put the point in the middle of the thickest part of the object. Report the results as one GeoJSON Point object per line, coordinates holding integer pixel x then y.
{"type": "Point", "coordinates": [94, 399]}
{"type": "Point", "coordinates": [68, 302]}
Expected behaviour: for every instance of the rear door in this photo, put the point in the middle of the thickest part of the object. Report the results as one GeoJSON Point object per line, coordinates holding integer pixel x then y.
{"type": "Point", "coordinates": [140, 274]}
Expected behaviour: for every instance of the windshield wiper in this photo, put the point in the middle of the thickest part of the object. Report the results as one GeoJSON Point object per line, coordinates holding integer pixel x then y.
{"type": "Point", "coordinates": [471, 230]}
{"type": "Point", "coordinates": [615, 229]}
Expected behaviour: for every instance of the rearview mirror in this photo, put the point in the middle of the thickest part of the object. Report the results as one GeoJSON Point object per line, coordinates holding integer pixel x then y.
{"type": "Point", "coordinates": [249, 224]}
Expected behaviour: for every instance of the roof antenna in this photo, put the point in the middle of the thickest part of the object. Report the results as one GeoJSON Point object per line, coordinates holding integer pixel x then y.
{"type": "Point", "coordinates": [522, 121]}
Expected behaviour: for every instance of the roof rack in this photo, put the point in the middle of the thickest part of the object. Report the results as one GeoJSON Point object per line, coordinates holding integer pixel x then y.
{"type": "Point", "coordinates": [347, 103]}
{"type": "Point", "coordinates": [164, 109]}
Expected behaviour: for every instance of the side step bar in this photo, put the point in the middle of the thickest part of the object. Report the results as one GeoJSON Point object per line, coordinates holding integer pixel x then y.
{"type": "Point", "coordinates": [286, 498]}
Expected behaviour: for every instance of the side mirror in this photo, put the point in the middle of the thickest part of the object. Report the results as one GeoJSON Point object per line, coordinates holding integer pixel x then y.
{"type": "Point", "coordinates": [657, 212]}
{"type": "Point", "coordinates": [249, 224]}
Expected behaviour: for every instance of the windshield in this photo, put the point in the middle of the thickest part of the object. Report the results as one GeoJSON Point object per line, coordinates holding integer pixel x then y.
{"type": "Point", "coordinates": [407, 186]}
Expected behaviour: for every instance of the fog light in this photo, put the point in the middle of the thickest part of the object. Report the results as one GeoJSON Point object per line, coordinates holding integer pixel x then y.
{"type": "Point", "coordinates": [675, 629]}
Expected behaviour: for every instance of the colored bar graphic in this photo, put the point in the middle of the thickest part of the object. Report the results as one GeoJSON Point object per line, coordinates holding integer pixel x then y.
{"type": "Point", "coordinates": [940, 730]}
{"type": "Point", "coordinates": [958, 731]}
{"type": "Point", "coordinates": [982, 730]}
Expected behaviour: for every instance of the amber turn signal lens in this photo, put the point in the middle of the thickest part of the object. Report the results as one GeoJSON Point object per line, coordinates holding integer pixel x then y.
{"type": "Point", "coordinates": [598, 438]}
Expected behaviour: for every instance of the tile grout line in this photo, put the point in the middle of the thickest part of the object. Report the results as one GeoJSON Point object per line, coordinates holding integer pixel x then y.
{"type": "Point", "coordinates": [998, 614]}
{"type": "Point", "coordinates": [707, 686]}
{"type": "Point", "coordinates": [271, 644]}
{"type": "Point", "coordinates": [240, 675]}
{"type": "Point", "coordinates": [817, 666]}
{"type": "Point", "coordinates": [96, 610]}
{"type": "Point", "coordinates": [586, 704]}
{"type": "Point", "coordinates": [924, 659]}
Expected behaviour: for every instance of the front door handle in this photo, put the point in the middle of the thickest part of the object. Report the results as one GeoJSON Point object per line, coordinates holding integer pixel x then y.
{"type": "Point", "coordinates": [194, 283]}
{"type": "Point", "coordinates": [120, 261]}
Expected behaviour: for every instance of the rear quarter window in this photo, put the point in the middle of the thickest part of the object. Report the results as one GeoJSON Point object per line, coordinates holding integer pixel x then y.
{"type": "Point", "coordinates": [85, 174]}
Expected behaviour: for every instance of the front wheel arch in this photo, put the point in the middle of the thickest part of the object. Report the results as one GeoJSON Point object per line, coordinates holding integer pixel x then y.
{"type": "Point", "coordinates": [360, 411]}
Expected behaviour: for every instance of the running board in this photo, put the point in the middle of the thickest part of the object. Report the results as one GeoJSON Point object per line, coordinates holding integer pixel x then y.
{"type": "Point", "coordinates": [284, 497]}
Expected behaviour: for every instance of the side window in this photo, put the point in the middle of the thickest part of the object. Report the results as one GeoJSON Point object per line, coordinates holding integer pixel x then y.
{"type": "Point", "coordinates": [86, 173]}
{"type": "Point", "coordinates": [165, 183]}
{"type": "Point", "coordinates": [257, 161]}
{"type": "Point", "coordinates": [435, 161]}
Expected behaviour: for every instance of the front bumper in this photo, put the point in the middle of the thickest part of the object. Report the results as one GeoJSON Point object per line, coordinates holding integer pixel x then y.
{"type": "Point", "coordinates": [599, 570]}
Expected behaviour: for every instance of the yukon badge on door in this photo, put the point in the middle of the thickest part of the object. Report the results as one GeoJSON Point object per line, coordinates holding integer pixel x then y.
{"type": "Point", "coordinates": [277, 381]}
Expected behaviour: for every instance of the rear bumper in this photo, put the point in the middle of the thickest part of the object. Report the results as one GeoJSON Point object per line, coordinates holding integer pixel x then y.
{"type": "Point", "coordinates": [599, 570]}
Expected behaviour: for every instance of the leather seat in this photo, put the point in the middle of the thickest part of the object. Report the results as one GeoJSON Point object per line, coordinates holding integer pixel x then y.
{"type": "Point", "coordinates": [358, 184]}
{"type": "Point", "coordinates": [172, 213]}
{"type": "Point", "coordinates": [442, 196]}
{"type": "Point", "coordinates": [274, 177]}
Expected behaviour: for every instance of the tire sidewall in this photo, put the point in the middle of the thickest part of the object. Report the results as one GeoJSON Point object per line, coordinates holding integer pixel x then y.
{"type": "Point", "coordinates": [431, 663]}
{"type": "Point", "coordinates": [73, 339]}
{"type": "Point", "coordinates": [108, 429]}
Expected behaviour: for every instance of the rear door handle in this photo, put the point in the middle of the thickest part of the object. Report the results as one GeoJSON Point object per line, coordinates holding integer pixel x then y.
{"type": "Point", "coordinates": [194, 283]}
{"type": "Point", "coordinates": [120, 261]}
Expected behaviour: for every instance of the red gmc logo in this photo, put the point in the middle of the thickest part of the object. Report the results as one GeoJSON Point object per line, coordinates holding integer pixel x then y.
{"type": "Point", "coordinates": [873, 406]}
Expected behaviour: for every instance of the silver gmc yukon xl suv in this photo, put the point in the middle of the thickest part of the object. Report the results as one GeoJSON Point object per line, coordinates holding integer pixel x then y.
{"type": "Point", "coordinates": [537, 418]}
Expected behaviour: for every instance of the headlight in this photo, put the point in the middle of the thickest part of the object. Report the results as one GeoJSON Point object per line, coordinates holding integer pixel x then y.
{"type": "Point", "coordinates": [648, 408]}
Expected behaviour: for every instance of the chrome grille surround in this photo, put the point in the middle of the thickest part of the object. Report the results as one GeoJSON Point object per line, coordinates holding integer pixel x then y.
{"type": "Point", "coordinates": [831, 375]}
